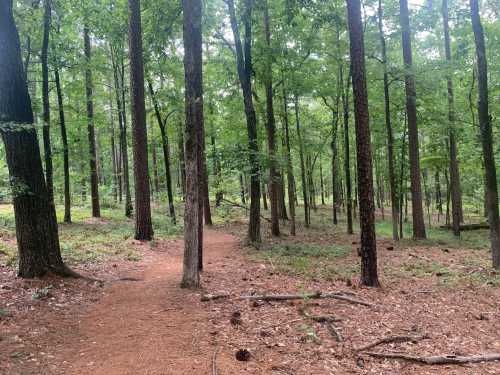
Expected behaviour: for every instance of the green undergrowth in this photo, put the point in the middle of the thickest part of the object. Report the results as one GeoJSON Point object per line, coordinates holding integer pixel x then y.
{"type": "Point", "coordinates": [89, 240]}
{"type": "Point", "coordinates": [307, 260]}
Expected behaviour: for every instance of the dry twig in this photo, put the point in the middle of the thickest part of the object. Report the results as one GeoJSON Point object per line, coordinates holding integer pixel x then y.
{"type": "Point", "coordinates": [439, 359]}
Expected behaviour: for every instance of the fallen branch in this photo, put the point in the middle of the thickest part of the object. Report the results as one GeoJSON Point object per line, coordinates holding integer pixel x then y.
{"type": "Point", "coordinates": [214, 362]}
{"type": "Point", "coordinates": [466, 227]}
{"type": "Point", "coordinates": [234, 204]}
{"type": "Point", "coordinates": [439, 359]}
{"type": "Point", "coordinates": [213, 297]}
{"type": "Point", "coordinates": [280, 324]}
{"type": "Point", "coordinates": [316, 295]}
{"type": "Point", "coordinates": [334, 332]}
{"type": "Point", "coordinates": [392, 339]}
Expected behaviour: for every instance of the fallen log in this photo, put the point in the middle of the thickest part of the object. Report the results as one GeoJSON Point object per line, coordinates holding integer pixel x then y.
{"type": "Point", "coordinates": [439, 359]}
{"type": "Point", "coordinates": [234, 204]}
{"type": "Point", "coordinates": [315, 295]}
{"type": "Point", "coordinates": [392, 339]}
{"type": "Point", "coordinates": [466, 227]}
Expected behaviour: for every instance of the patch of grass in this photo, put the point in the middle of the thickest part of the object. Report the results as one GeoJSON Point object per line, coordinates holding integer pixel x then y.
{"type": "Point", "coordinates": [307, 260]}
{"type": "Point", "coordinates": [87, 240]}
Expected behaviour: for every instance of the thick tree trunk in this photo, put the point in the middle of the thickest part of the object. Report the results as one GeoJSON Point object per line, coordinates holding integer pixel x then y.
{"type": "Point", "coordinates": [94, 182]}
{"type": "Point", "coordinates": [244, 67]}
{"type": "Point", "coordinates": [36, 224]}
{"type": "Point", "coordinates": [192, 34]}
{"type": "Point", "coordinates": [368, 248]}
{"type": "Point", "coordinates": [388, 126]}
{"type": "Point", "coordinates": [64, 137]}
{"type": "Point", "coordinates": [411, 109]}
{"type": "Point", "coordinates": [456, 193]}
{"type": "Point", "coordinates": [143, 223]}
{"type": "Point", "coordinates": [289, 165]}
{"type": "Point", "coordinates": [305, 197]}
{"type": "Point", "coordinates": [271, 128]}
{"type": "Point", "coordinates": [47, 147]}
{"type": "Point", "coordinates": [166, 151]}
{"type": "Point", "coordinates": [486, 135]}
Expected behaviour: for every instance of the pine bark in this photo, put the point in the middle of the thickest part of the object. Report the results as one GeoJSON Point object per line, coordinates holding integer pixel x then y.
{"type": "Point", "coordinates": [36, 224]}
{"type": "Point", "coordinates": [192, 34]}
{"type": "Point", "coordinates": [486, 134]}
{"type": "Point", "coordinates": [305, 196]}
{"type": "Point", "coordinates": [143, 223]}
{"type": "Point", "coordinates": [94, 181]}
{"type": "Point", "coordinates": [411, 109]}
{"type": "Point", "coordinates": [368, 248]}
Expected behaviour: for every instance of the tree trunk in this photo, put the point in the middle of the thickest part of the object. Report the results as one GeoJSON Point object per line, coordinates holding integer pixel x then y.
{"type": "Point", "coordinates": [347, 167]}
{"type": "Point", "coordinates": [402, 181]}
{"type": "Point", "coordinates": [64, 137]}
{"type": "Point", "coordinates": [47, 147]}
{"type": "Point", "coordinates": [242, 190]}
{"type": "Point", "coordinates": [143, 224]}
{"type": "Point", "coordinates": [368, 248]}
{"type": "Point", "coordinates": [264, 196]}
{"type": "Point", "coordinates": [207, 211]}
{"type": "Point", "coordinates": [322, 183]}
{"type": "Point", "coordinates": [486, 135]}
{"type": "Point", "coordinates": [182, 159]}
{"type": "Point", "coordinates": [411, 109]}
{"type": "Point", "coordinates": [156, 179]}
{"type": "Point", "coordinates": [271, 128]}
{"type": "Point", "coordinates": [456, 193]}
{"type": "Point", "coordinates": [307, 215]}
{"type": "Point", "coordinates": [35, 216]}
{"type": "Point", "coordinates": [388, 126]}
{"type": "Point", "coordinates": [192, 35]}
{"type": "Point", "coordinates": [94, 182]}
{"type": "Point", "coordinates": [289, 165]}
{"type": "Point", "coordinates": [166, 150]}
{"type": "Point", "coordinates": [244, 67]}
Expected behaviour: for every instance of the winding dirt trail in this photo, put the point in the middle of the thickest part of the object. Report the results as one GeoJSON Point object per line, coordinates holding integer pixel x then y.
{"type": "Point", "coordinates": [148, 326]}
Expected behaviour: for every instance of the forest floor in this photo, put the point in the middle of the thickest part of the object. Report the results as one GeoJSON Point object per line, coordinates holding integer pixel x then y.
{"type": "Point", "coordinates": [138, 321]}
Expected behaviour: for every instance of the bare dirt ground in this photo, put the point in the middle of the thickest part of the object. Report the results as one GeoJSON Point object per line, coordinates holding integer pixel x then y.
{"type": "Point", "coordinates": [141, 322]}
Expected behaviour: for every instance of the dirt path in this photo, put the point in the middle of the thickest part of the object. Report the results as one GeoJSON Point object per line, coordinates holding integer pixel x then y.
{"type": "Point", "coordinates": [149, 326]}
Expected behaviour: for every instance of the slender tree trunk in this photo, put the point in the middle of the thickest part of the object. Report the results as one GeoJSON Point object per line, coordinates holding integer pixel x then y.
{"type": "Point", "coordinates": [166, 151]}
{"type": "Point", "coordinates": [47, 147]}
{"type": "Point", "coordinates": [113, 151]}
{"type": "Point", "coordinates": [368, 248]}
{"type": "Point", "coordinates": [124, 143]}
{"type": "Point", "coordinates": [242, 190]}
{"type": "Point", "coordinates": [388, 126]}
{"type": "Point", "coordinates": [182, 159]}
{"type": "Point", "coordinates": [271, 128]}
{"type": "Point", "coordinates": [456, 193]}
{"type": "Point", "coordinates": [307, 217]}
{"type": "Point", "coordinates": [156, 179]}
{"type": "Point", "coordinates": [347, 164]}
{"type": "Point", "coordinates": [64, 137]}
{"type": "Point", "coordinates": [289, 165]}
{"type": "Point", "coordinates": [486, 135]}
{"type": "Point", "coordinates": [244, 67]}
{"type": "Point", "coordinates": [411, 109]}
{"type": "Point", "coordinates": [322, 183]}
{"type": "Point", "coordinates": [143, 223]}
{"type": "Point", "coordinates": [36, 224]}
{"type": "Point", "coordinates": [402, 181]}
{"type": "Point", "coordinates": [264, 196]}
{"type": "Point", "coordinates": [94, 182]}
{"type": "Point", "coordinates": [207, 211]}
{"type": "Point", "coordinates": [192, 34]}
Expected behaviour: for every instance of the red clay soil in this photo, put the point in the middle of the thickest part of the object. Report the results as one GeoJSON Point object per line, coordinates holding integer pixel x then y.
{"type": "Point", "coordinates": [145, 324]}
